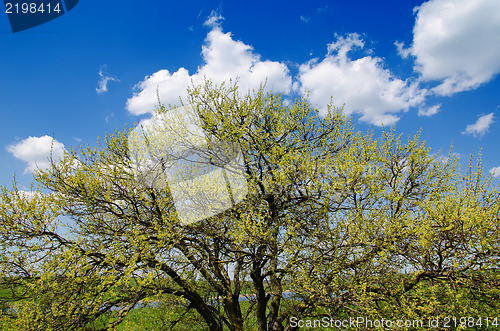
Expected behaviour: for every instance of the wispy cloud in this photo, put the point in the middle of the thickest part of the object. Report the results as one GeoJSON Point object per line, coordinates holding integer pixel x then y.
{"type": "Point", "coordinates": [305, 19]}
{"type": "Point", "coordinates": [402, 51]}
{"type": "Point", "coordinates": [321, 9]}
{"type": "Point", "coordinates": [104, 78]}
{"type": "Point", "coordinates": [214, 20]}
{"type": "Point", "coordinates": [429, 111]}
{"type": "Point", "coordinates": [481, 126]}
{"type": "Point", "coordinates": [107, 118]}
{"type": "Point", "coordinates": [200, 12]}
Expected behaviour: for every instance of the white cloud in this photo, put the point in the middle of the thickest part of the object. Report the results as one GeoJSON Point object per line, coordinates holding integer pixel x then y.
{"type": "Point", "coordinates": [429, 111]}
{"type": "Point", "coordinates": [321, 9]}
{"type": "Point", "coordinates": [495, 172]}
{"type": "Point", "coordinates": [481, 126]}
{"type": "Point", "coordinates": [36, 151]}
{"type": "Point", "coordinates": [362, 84]}
{"type": "Point", "coordinates": [170, 87]}
{"type": "Point", "coordinates": [305, 19]}
{"type": "Point", "coordinates": [457, 42]}
{"type": "Point", "coordinates": [403, 52]}
{"type": "Point", "coordinates": [104, 78]}
{"type": "Point", "coordinates": [224, 58]}
{"type": "Point", "coordinates": [214, 20]}
{"type": "Point", "coordinates": [107, 118]}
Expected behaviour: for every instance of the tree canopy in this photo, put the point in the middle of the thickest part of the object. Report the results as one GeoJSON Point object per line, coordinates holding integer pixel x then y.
{"type": "Point", "coordinates": [334, 223]}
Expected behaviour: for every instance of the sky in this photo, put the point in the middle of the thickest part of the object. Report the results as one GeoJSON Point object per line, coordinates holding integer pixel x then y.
{"type": "Point", "coordinates": [415, 65]}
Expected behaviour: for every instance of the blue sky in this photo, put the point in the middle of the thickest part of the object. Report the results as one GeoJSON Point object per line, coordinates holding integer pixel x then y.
{"type": "Point", "coordinates": [413, 64]}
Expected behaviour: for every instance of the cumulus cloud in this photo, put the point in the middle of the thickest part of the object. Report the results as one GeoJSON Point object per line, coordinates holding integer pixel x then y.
{"type": "Point", "coordinates": [36, 151]}
{"type": "Point", "coordinates": [224, 58]}
{"type": "Point", "coordinates": [456, 42]}
{"type": "Point", "coordinates": [104, 78]}
{"type": "Point", "coordinates": [363, 85]}
{"type": "Point", "coordinates": [480, 127]}
{"type": "Point", "coordinates": [495, 172]}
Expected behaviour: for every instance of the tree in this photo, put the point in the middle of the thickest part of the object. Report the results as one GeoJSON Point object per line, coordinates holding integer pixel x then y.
{"type": "Point", "coordinates": [334, 224]}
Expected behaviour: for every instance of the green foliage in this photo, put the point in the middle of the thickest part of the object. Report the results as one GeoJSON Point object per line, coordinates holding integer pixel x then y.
{"type": "Point", "coordinates": [336, 223]}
